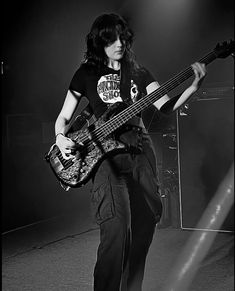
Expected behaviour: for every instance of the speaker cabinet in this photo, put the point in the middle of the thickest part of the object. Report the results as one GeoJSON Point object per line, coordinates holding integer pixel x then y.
{"type": "Point", "coordinates": [205, 153]}
{"type": "Point", "coordinates": [162, 130]}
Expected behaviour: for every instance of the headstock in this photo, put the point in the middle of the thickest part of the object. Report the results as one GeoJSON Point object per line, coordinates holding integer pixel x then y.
{"type": "Point", "coordinates": [224, 49]}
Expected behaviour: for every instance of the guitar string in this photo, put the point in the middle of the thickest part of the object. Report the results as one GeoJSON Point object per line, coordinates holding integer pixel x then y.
{"type": "Point", "coordinates": [109, 126]}
{"type": "Point", "coordinates": [127, 113]}
{"type": "Point", "coordinates": [124, 113]}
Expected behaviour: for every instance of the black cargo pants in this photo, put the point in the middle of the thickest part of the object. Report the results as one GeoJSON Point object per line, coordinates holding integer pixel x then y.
{"type": "Point", "coordinates": [126, 204]}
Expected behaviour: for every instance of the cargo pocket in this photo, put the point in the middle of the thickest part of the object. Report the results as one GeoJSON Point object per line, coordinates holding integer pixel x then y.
{"type": "Point", "coordinates": [102, 203]}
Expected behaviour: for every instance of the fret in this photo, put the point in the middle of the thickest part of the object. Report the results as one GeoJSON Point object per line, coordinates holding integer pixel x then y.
{"type": "Point", "coordinates": [121, 118]}
{"type": "Point", "coordinates": [135, 108]}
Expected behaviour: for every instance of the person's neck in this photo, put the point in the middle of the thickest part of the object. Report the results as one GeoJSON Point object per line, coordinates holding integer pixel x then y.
{"type": "Point", "coordinates": [115, 65]}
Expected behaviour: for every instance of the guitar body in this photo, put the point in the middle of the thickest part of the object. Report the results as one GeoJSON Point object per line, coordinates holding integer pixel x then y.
{"type": "Point", "coordinates": [77, 171]}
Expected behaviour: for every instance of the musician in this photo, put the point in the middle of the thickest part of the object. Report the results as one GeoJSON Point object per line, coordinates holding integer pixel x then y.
{"type": "Point", "coordinates": [125, 198]}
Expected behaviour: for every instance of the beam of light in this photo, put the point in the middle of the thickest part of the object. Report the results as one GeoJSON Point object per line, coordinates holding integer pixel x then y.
{"type": "Point", "coordinates": [201, 240]}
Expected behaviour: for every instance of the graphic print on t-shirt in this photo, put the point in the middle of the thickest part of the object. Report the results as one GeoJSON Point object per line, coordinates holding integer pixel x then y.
{"type": "Point", "coordinates": [108, 89]}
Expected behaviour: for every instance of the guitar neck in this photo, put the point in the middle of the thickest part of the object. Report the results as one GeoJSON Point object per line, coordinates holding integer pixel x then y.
{"type": "Point", "coordinates": [145, 102]}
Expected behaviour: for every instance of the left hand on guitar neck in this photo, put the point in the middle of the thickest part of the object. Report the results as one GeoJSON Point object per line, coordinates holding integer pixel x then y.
{"type": "Point", "coordinates": [199, 73]}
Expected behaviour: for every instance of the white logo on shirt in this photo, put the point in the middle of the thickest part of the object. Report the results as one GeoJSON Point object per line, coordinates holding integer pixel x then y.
{"type": "Point", "coordinates": [108, 89]}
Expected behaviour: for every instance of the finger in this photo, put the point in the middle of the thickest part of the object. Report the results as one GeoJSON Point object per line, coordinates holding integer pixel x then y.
{"type": "Point", "coordinates": [201, 68]}
{"type": "Point", "coordinates": [195, 70]}
{"type": "Point", "coordinates": [195, 66]}
{"type": "Point", "coordinates": [67, 151]}
{"type": "Point", "coordinates": [70, 150]}
{"type": "Point", "coordinates": [202, 71]}
{"type": "Point", "coordinates": [67, 156]}
{"type": "Point", "coordinates": [198, 67]}
{"type": "Point", "coordinates": [70, 143]}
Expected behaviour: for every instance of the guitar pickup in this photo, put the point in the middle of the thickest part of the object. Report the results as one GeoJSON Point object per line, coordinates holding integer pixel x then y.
{"type": "Point", "coordinates": [57, 165]}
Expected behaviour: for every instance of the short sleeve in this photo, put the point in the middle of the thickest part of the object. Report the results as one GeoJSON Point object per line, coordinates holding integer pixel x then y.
{"type": "Point", "coordinates": [78, 83]}
{"type": "Point", "coordinates": [147, 77]}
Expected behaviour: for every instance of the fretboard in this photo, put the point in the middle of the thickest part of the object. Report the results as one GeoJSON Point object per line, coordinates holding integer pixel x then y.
{"type": "Point", "coordinates": [146, 101]}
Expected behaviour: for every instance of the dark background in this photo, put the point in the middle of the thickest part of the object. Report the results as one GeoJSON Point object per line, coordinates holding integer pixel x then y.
{"type": "Point", "coordinates": [43, 44]}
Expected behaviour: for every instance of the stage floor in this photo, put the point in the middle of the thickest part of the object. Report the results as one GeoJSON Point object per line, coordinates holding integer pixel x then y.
{"type": "Point", "coordinates": [43, 257]}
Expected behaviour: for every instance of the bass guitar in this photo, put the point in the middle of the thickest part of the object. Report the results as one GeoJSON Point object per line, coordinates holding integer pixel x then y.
{"type": "Point", "coordinates": [101, 139]}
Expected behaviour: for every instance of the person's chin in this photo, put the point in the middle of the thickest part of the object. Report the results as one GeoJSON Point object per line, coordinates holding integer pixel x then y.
{"type": "Point", "coordinates": [119, 56]}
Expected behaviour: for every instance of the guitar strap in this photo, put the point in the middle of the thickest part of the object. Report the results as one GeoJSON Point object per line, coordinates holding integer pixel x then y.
{"type": "Point", "coordinates": [125, 83]}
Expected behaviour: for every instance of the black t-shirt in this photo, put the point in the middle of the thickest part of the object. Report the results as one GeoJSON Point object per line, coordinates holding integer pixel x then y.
{"type": "Point", "coordinates": [102, 87]}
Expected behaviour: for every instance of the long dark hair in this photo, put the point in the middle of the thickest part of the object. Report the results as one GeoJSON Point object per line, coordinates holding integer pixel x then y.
{"type": "Point", "coordinates": [104, 31]}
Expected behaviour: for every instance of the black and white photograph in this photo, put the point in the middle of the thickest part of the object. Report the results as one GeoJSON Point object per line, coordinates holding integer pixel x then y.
{"type": "Point", "coordinates": [117, 145]}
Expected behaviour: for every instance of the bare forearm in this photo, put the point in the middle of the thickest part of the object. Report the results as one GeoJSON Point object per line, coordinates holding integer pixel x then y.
{"type": "Point", "coordinates": [199, 74]}
{"type": "Point", "coordinates": [62, 122]}
{"type": "Point", "coordinates": [186, 95]}
{"type": "Point", "coordinates": [177, 101]}
{"type": "Point", "coordinates": [61, 125]}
